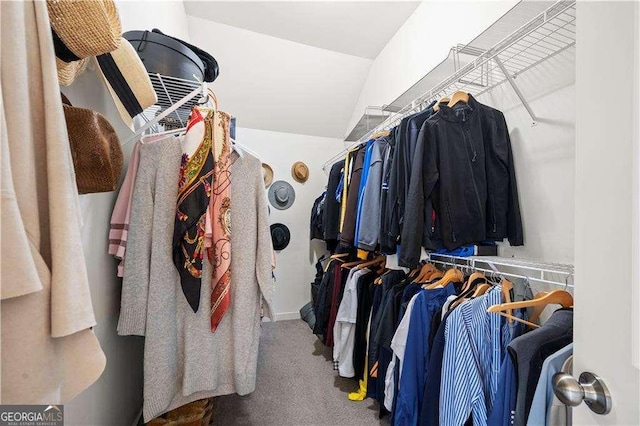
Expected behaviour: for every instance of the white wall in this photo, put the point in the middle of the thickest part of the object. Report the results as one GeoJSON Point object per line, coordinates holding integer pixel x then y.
{"type": "Point", "coordinates": [168, 16]}
{"type": "Point", "coordinates": [275, 84]}
{"type": "Point", "coordinates": [116, 398]}
{"type": "Point", "coordinates": [420, 44]}
{"type": "Point", "coordinates": [544, 157]}
{"type": "Point", "coordinates": [294, 265]}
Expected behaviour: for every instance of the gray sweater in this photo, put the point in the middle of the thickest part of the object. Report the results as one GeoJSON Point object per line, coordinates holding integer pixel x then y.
{"type": "Point", "coordinates": [369, 231]}
{"type": "Point", "coordinates": [183, 360]}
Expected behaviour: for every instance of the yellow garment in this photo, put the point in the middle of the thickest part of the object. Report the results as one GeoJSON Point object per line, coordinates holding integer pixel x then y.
{"type": "Point", "coordinates": [361, 393]}
{"type": "Point", "coordinates": [345, 185]}
{"type": "Point", "coordinates": [363, 254]}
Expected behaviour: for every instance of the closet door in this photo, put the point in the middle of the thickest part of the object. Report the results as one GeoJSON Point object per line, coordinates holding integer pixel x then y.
{"type": "Point", "coordinates": [607, 250]}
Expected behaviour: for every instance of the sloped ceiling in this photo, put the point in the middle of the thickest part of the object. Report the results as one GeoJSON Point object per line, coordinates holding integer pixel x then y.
{"type": "Point", "coordinates": [357, 28]}
{"type": "Point", "coordinates": [293, 67]}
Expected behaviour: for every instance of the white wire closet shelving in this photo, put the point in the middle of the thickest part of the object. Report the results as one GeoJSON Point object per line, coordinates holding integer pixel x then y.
{"type": "Point", "coordinates": [170, 90]}
{"type": "Point", "coordinates": [557, 274]}
{"type": "Point", "coordinates": [541, 38]}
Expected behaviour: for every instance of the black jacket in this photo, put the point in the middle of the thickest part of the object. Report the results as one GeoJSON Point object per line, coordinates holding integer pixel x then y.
{"type": "Point", "coordinates": [463, 164]}
{"type": "Point", "coordinates": [331, 216]}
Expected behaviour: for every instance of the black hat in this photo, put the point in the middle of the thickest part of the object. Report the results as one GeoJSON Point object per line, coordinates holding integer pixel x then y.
{"type": "Point", "coordinates": [280, 236]}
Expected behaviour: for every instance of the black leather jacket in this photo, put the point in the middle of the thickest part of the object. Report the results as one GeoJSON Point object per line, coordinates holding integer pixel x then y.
{"type": "Point", "coordinates": [463, 165]}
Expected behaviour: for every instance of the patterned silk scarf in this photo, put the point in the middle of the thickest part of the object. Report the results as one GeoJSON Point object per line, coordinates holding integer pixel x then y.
{"type": "Point", "coordinates": [219, 208]}
{"type": "Point", "coordinates": [194, 194]}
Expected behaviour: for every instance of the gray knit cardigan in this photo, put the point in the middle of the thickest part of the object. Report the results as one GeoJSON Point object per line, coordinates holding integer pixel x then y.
{"type": "Point", "coordinates": [183, 360]}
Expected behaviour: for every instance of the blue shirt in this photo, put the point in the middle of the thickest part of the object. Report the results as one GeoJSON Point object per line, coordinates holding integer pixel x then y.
{"type": "Point", "coordinates": [543, 398]}
{"type": "Point", "coordinates": [474, 345]}
{"type": "Point", "coordinates": [416, 357]}
{"type": "Point", "coordinates": [363, 182]}
{"type": "Point", "coordinates": [504, 407]}
{"type": "Point", "coordinates": [338, 193]}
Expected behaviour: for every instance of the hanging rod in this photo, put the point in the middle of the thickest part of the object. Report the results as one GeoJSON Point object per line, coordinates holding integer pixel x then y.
{"type": "Point", "coordinates": [528, 269]}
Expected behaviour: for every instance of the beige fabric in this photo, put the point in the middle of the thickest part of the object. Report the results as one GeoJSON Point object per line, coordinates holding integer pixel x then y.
{"type": "Point", "coordinates": [135, 74]}
{"type": "Point", "coordinates": [68, 72]}
{"type": "Point", "coordinates": [49, 354]}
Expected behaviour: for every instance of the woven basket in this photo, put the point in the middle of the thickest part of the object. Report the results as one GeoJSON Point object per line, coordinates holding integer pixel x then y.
{"type": "Point", "coordinates": [86, 27]}
{"type": "Point", "coordinates": [188, 415]}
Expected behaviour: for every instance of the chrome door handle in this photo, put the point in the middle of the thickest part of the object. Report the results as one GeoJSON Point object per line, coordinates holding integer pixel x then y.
{"type": "Point", "coordinates": [589, 388]}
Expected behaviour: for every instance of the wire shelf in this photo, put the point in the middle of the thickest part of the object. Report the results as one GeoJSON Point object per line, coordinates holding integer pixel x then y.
{"type": "Point", "coordinates": [558, 274]}
{"type": "Point", "coordinates": [169, 91]}
{"type": "Point", "coordinates": [548, 34]}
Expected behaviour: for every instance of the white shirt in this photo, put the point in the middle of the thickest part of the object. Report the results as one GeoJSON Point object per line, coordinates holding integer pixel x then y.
{"type": "Point", "coordinates": [344, 329]}
{"type": "Point", "coordinates": [398, 345]}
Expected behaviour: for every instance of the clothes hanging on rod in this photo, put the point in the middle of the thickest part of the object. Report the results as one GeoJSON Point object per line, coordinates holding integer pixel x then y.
{"type": "Point", "coordinates": [451, 171]}
{"type": "Point", "coordinates": [213, 348]}
{"type": "Point", "coordinates": [437, 356]}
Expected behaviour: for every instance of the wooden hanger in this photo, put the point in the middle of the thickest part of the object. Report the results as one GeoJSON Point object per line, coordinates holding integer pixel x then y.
{"type": "Point", "coordinates": [537, 310]}
{"type": "Point", "coordinates": [506, 286]}
{"type": "Point", "coordinates": [472, 278]}
{"type": "Point", "coordinates": [426, 270]}
{"type": "Point", "coordinates": [339, 255]}
{"type": "Point", "coordinates": [380, 134]}
{"type": "Point", "coordinates": [457, 97]}
{"type": "Point", "coordinates": [559, 297]}
{"type": "Point", "coordinates": [414, 272]}
{"type": "Point", "coordinates": [435, 275]}
{"type": "Point", "coordinates": [453, 275]}
{"type": "Point", "coordinates": [379, 259]}
{"type": "Point", "coordinates": [436, 107]}
{"type": "Point", "coordinates": [349, 265]}
{"type": "Point", "coordinates": [480, 290]}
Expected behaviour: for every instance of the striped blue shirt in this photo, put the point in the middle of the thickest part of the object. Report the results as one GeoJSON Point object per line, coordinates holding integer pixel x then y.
{"type": "Point", "coordinates": [475, 342]}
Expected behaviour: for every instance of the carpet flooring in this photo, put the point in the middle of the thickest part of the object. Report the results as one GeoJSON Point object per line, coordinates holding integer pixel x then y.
{"type": "Point", "coordinates": [296, 385]}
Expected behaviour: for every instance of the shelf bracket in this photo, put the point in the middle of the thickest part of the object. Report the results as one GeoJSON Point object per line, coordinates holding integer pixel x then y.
{"type": "Point", "coordinates": [517, 90]}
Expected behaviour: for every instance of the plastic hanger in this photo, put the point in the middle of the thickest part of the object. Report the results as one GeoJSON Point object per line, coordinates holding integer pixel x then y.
{"type": "Point", "coordinates": [453, 275]}
{"type": "Point", "coordinates": [457, 97]}
{"type": "Point", "coordinates": [559, 297]}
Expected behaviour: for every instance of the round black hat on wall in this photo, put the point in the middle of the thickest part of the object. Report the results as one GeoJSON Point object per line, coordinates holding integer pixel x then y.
{"type": "Point", "coordinates": [280, 236]}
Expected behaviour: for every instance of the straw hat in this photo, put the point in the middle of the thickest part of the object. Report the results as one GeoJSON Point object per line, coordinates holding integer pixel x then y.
{"type": "Point", "coordinates": [267, 174]}
{"type": "Point", "coordinates": [127, 80]}
{"type": "Point", "coordinates": [281, 195]}
{"type": "Point", "coordinates": [68, 71]}
{"type": "Point", "coordinates": [83, 28]}
{"type": "Point", "coordinates": [300, 172]}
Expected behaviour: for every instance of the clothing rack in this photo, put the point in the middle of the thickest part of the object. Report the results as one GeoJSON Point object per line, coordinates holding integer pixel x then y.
{"type": "Point", "coordinates": [557, 274]}
{"type": "Point", "coordinates": [543, 37]}
{"type": "Point", "coordinates": [176, 98]}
